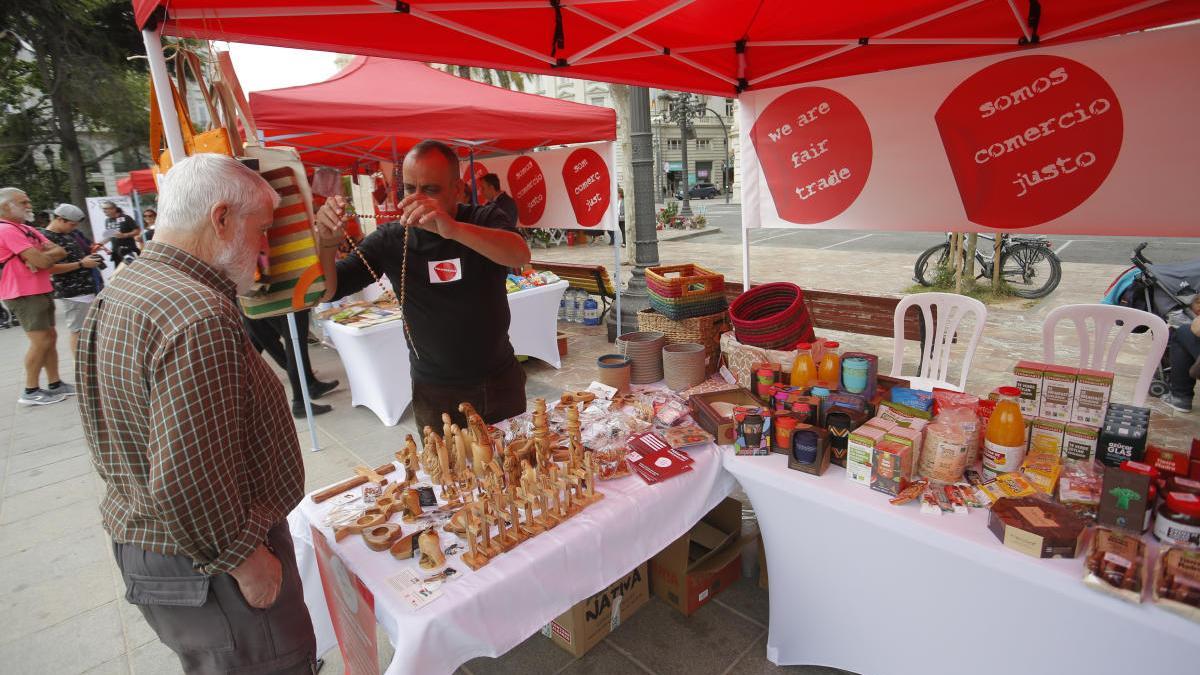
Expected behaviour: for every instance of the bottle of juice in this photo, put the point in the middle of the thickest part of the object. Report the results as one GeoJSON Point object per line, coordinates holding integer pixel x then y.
{"type": "Point", "coordinates": [1004, 442]}
{"type": "Point", "coordinates": [804, 371]}
{"type": "Point", "coordinates": [829, 372]}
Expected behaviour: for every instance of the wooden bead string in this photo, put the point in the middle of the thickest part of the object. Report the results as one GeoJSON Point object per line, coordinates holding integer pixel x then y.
{"type": "Point", "coordinates": [379, 280]}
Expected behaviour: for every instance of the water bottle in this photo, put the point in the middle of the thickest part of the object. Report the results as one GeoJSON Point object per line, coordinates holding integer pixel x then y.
{"type": "Point", "coordinates": [578, 312]}
{"type": "Point", "coordinates": [591, 312]}
{"type": "Point", "coordinates": [562, 308]}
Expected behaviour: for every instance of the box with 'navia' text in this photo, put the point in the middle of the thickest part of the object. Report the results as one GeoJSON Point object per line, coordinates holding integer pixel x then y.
{"type": "Point", "coordinates": [587, 623]}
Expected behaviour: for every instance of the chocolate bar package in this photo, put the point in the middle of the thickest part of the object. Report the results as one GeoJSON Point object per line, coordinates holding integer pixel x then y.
{"type": "Point", "coordinates": [1037, 527]}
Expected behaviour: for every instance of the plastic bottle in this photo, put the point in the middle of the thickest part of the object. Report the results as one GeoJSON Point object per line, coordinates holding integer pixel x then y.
{"type": "Point", "coordinates": [829, 373]}
{"type": "Point", "coordinates": [562, 308]}
{"type": "Point", "coordinates": [580, 298]}
{"type": "Point", "coordinates": [804, 371]}
{"type": "Point", "coordinates": [591, 312]}
{"type": "Point", "coordinates": [1004, 442]}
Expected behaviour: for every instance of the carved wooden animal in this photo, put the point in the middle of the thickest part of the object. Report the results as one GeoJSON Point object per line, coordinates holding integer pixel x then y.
{"type": "Point", "coordinates": [431, 550]}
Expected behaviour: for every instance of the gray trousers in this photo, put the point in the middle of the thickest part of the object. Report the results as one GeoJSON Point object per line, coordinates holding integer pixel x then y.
{"type": "Point", "coordinates": [207, 622]}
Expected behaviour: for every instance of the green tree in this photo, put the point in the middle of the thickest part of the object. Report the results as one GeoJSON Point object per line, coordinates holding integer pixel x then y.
{"type": "Point", "coordinates": [65, 72]}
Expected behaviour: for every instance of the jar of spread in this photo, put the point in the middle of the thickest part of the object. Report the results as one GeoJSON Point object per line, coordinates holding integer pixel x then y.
{"type": "Point", "coordinates": [1181, 484]}
{"type": "Point", "coordinates": [1146, 470]}
{"type": "Point", "coordinates": [1179, 519]}
{"type": "Point", "coordinates": [784, 427]}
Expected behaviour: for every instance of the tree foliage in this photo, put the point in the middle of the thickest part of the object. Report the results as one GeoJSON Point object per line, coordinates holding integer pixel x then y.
{"type": "Point", "coordinates": [65, 72]}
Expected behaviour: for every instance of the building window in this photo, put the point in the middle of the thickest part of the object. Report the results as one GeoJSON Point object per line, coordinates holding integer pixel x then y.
{"type": "Point", "coordinates": [729, 103]}
{"type": "Point", "coordinates": [597, 100]}
{"type": "Point", "coordinates": [672, 143]}
{"type": "Point", "coordinates": [704, 144]}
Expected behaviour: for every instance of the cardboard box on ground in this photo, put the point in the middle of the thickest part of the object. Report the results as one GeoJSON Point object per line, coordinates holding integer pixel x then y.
{"type": "Point", "coordinates": [694, 568]}
{"type": "Point", "coordinates": [580, 628]}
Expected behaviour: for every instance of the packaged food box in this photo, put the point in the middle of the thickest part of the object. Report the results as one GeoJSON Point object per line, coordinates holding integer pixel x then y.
{"type": "Point", "coordinates": [1046, 437]}
{"type": "Point", "coordinates": [891, 466]}
{"type": "Point", "coordinates": [1092, 391]}
{"type": "Point", "coordinates": [1079, 442]}
{"type": "Point", "coordinates": [1177, 581]}
{"type": "Point", "coordinates": [1058, 393]}
{"type": "Point", "coordinates": [1173, 462]}
{"type": "Point", "coordinates": [1027, 376]}
{"type": "Point", "coordinates": [1037, 527]}
{"type": "Point", "coordinates": [1119, 442]}
{"type": "Point", "coordinates": [860, 449]}
{"type": "Point", "coordinates": [1042, 471]}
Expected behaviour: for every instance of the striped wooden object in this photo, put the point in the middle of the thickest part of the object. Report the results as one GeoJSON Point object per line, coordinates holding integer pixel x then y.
{"type": "Point", "coordinates": [294, 280]}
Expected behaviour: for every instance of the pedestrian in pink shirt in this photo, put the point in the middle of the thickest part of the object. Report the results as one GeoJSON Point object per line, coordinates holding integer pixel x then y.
{"type": "Point", "coordinates": [27, 291]}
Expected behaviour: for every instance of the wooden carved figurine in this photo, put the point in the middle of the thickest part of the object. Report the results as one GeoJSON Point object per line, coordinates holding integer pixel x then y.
{"type": "Point", "coordinates": [412, 506]}
{"type": "Point", "coordinates": [409, 459]}
{"type": "Point", "coordinates": [473, 558]}
{"type": "Point", "coordinates": [431, 550]}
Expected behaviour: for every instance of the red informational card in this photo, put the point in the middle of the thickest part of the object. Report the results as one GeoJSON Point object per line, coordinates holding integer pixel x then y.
{"type": "Point", "coordinates": [651, 457]}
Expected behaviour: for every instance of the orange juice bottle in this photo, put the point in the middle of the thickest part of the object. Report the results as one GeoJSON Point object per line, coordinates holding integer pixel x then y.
{"type": "Point", "coordinates": [804, 371]}
{"type": "Point", "coordinates": [1004, 442]}
{"type": "Point", "coordinates": [829, 372]}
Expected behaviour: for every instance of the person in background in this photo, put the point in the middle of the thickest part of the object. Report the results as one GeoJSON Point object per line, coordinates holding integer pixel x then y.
{"type": "Point", "coordinates": [75, 286]}
{"type": "Point", "coordinates": [271, 334]}
{"type": "Point", "coordinates": [189, 430]}
{"type": "Point", "coordinates": [149, 216]}
{"type": "Point", "coordinates": [620, 217]}
{"type": "Point", "coordinates": [1183, 351]}
{"type": "Point", "coordinates": [120, 231]}
{"type": "Point", "coordinates": [489, 185]}
{"type": "Point", "coordinates": [28, 293]}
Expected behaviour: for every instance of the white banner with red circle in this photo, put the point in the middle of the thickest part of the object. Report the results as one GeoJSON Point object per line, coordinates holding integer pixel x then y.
{"type": "Point", "coordinates": [1095, 137]}
{"type": "Point", "coordinates": [573, 187]}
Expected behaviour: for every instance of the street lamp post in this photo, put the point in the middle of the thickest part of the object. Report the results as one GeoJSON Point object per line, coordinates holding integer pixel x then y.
{"type": "Point", "coordinates": [725, 166]}
{"type": "Point", "coordinates": [681, 108]}
{"type": "Point", "coordinates": [686, 209]}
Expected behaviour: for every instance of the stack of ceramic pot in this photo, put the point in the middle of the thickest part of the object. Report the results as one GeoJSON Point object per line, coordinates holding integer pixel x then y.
{"type": "Point", "coordinates": [644, 348]}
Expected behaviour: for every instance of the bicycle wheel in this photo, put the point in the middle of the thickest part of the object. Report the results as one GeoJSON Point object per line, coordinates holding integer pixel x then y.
{"type": "Point", "coordinates": [1031, 271]}
{"type": "Point", "coordinates": [923, 272]}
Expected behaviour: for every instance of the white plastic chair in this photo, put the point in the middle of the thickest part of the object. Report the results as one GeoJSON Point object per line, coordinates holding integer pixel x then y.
{"type": "Point", "coordinates": [951, 309]}
{"type": "Point", "coordinates": [1099, 345]}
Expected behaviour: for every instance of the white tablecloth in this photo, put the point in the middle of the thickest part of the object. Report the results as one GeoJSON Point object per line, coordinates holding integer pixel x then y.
{"type": "Point", "coordinates": [376, 357]}
{"type": "Point", "coordinates": [859, 584]}
{"type": "Point", "coordinates": [492, 610]}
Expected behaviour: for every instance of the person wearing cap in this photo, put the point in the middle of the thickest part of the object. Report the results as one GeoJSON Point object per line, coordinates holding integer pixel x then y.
{"type": "Point", "coordinates": [75, 285]}
{"type": "Point", "coordinates": [121, 230]}
{"type": "Point", "coordinates": [27, 291]}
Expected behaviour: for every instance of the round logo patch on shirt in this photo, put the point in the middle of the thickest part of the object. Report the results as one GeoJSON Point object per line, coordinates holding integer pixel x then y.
{"type": "Point", "coordinates": [445, 271]}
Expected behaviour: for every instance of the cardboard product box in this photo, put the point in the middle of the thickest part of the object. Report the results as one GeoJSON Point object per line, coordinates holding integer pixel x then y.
{"type": "Point", "coordinates": [859, 452]}
{"type": "Point", "coordinates": [694, 568]}
{"type": "Point", "coordinates": [713, 411]}
{"type": "Point", "coordinates": [1028, 378]}
{"type": "Point", "coordinates": [1168, 462]}
{"type": "Point", "coordinates": [1125, 500]}
{"type": "Point", "coordinates": [1092, 391]}
{"type": "Point", "coordinates": [1079, 442]}
{"type": "Point", "coordinates": [891, 466]}
{"type": "Point", "coordinates": [1120, 442]}
{"type": "Point", "coordinates": [1046, 436]}
{"type": "Point", "coordinates": [810, 451]}
{"type": "Point", "coordinates": [1058, 393]}
{"type": "Point", "coordinates": [1037, 527]}
{"type": "Point", "coordinates": [580, 628]}
{"type": "Point", "coordinates": [840, 421]}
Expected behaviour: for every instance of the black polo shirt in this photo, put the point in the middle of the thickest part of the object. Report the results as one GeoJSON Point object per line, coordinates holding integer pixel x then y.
{"type": "Point", "coordinates": [507, 204]}
{"type": "Point", "coordinates": [456, 304]}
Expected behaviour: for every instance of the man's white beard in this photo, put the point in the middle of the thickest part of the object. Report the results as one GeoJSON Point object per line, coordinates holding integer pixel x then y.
{"type": "Point", "coordinates": [237, 263]}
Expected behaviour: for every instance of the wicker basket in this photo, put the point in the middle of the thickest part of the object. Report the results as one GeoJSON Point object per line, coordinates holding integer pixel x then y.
{"type": "Point", "coordinates": [771, 316]}
{"type": "Point", "coordinates": [705, 330]}
{"type": "Point", "coordinates": [685, 291]}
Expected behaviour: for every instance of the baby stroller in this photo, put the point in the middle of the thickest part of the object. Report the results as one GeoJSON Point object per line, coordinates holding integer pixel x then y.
{"type": "Point", "coordinates": [1164, 290]}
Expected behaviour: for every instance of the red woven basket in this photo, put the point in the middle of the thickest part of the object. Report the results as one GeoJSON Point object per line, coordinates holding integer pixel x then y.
{"type": "Point", "coordinates": [771, 316]}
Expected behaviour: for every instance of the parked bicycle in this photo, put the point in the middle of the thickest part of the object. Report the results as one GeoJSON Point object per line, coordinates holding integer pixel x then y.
{"type": "Point", "coordinates": [1027, 264]}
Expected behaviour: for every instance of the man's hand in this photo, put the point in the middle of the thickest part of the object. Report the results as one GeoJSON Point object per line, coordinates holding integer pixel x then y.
{"type": "Point", "coordinates": [259, 578]}
{"type": "Point", "coordinates": [90, 261]}
{"type": "Point", "coordinates": [331, 222]}
{"type": "Point", "coordinates": [424, 212]}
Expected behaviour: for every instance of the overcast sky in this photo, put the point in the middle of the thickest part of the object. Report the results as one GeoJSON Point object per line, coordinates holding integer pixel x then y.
{"type": "Point", "coordinates": [260, 67]}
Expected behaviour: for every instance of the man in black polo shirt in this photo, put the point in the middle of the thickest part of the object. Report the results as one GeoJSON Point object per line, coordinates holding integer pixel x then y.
{"type": "Point", "coordinates": [490, 185]}
{"type": "Point", "coordinates": [120, 232]}
{"type": "Point", "coordinates": [455, 303]}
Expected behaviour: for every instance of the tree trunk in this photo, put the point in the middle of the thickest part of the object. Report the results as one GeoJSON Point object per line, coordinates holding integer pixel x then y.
{"type": "Point", "coordinates": [956, 251]}
{"type": "Point", "coordinates": [620, 96]}
{"type": "Point", "coordinates": [463, 71]}
{"type": "Point", "coordinates": [996, 262]}
{"type": "Point", "coordinates": [49, 56]}
{"type": "Point", "coordinates": [969, 256]}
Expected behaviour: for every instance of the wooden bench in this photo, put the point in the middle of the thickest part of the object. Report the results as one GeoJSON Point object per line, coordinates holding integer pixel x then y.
{"type": "Point", "coordinates": [851, 312]}
{"type": "Point", "coordinates": [593, 279]}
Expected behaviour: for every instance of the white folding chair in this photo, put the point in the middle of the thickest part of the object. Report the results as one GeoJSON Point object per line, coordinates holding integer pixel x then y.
{"type": "Point", "coordinates": [940, 335]}
{"type": "Point", "coordinates": [1102, 331]}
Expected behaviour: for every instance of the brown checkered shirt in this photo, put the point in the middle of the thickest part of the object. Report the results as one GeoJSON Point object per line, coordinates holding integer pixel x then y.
{"type": "Point", "coordinates": [187, 425]}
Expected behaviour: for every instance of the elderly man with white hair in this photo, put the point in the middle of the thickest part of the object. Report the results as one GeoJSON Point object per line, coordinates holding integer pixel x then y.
{"type": "Point", "coordinates": [191, 433]}
{"type": "Point", "coordinates": [27, 291]}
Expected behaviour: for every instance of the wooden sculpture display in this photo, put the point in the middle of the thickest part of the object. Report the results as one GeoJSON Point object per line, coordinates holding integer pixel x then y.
{"type": "Point", "coordinates": [431, 550]}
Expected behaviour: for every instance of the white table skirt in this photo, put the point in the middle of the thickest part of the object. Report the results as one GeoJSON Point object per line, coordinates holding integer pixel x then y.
{"type": "Point", "coordinates": [490, 611]}
{"type": "Point", "coordinates": [376, 357]}
{"type": "Point", "coordinates": [862, 585]}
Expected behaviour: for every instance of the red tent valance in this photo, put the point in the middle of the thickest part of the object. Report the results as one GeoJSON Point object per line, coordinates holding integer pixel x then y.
{"type": "Point", "coordinates": [141, 180]}
{"type": "Point", "coordinates": [711, 46]}
{"type": "Point", "coordinates": [376, 107]}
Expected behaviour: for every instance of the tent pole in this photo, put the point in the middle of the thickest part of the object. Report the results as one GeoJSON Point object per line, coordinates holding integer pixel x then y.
{"type": "Point", "coordinates": [471, 161]}
{"type": "Point", "coordinates": [745, 259]}
{"type": "Point", "coordinates": [299, 366]}
{"type": "Point", "coordinates": [137, 207]}
{"type": "Point", "coordinates": [162, 92]}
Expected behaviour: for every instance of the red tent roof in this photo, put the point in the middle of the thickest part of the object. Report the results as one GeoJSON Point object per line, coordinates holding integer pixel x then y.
{"type": "Point", "coordinates": [141, 180]}
{"type": "Point", "coordinates": [376, 106]}
{"type": "Point", "coordinates": [711, 46]}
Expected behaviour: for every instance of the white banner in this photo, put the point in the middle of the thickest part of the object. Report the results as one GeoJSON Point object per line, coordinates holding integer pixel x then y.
{"type": "Point", "coordinates": [96, 214]}
{"type": "Point", "coordinates": [1096, 137]}
{"type": "Point", "coordinates": [572, 187]}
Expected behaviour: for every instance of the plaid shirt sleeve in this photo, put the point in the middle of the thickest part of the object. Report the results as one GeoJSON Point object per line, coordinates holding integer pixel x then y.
{"type": "Point", "coordinates": [197, 448]}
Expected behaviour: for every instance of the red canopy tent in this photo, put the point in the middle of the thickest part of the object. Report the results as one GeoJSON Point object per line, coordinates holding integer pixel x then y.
{"type": "Point", "coordinates": [141, 181]}
{"type": "Point", "coordinates": [376, 109]}
{"type": "Point", "coordinates": [709, 46]}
